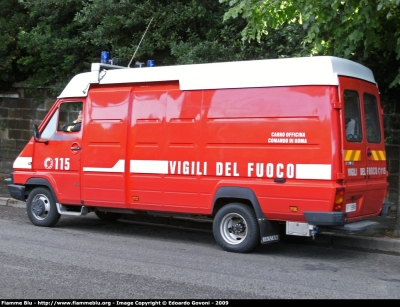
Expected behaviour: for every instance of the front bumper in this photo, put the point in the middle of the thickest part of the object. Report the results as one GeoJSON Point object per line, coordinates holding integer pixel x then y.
{"type": "Point", "coordinates": [17, 191]}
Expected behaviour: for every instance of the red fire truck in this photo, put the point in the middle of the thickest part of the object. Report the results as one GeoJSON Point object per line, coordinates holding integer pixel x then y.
{"type": "Point", "coordinates": [250, 145]}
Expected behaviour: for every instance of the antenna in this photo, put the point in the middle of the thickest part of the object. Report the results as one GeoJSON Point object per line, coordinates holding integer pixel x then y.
{"type": "Point", "coordinates": [129, 65]}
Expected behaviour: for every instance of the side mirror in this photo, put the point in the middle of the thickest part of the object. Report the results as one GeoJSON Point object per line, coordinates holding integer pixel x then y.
{"type": "Point", "coordinates": [35, 132]}
{"type": "Point", "coordinates": [36, 135]}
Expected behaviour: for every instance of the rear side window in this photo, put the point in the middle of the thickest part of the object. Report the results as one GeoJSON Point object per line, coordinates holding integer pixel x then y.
{"type": "Point", "coordinates": [373, 129]}
{"type": "Point", "coordinates": [352, 116]}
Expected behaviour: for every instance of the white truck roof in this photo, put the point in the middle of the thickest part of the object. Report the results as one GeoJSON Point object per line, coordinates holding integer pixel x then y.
{"type": "Point", "coordinates": [318, 70]}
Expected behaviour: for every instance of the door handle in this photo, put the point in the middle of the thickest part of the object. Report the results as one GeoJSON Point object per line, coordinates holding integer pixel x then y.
{"type": "Point", "coordinates": [76, 148]}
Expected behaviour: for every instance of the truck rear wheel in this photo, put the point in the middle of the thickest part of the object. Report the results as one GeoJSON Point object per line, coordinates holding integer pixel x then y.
{"type": "Point", "coordinates": [41, 208]}
{"type": "Point", "coordinates": [236, 229]}
{"type": "Point", "coordinates": [108, 216]}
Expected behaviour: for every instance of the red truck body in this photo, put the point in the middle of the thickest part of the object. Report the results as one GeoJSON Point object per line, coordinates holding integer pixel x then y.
{"type": "Point", "coordinates": [248, 144]}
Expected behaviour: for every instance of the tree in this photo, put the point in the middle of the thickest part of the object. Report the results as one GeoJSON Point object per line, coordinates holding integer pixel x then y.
{"type": "Point", "coordinates": [354, 29]}
{"type": "Point", "coordinates": [63, 37]}
{"type": "Point", "coordinates": [11, 15]}
{"type": "Point", "coordinates": [181, 32]}
{"type": "Point", "coordinates": [53, 48]}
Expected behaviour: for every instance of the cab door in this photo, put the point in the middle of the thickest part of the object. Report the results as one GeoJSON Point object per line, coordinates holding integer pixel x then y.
{"type": "Point", "coordinates": [57, 155]}
{"type": "Point", "coordinates": [364, 159]}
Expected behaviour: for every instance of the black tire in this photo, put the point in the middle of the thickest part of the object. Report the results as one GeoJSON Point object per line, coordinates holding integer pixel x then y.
{"type": "Point", "coordinates": [108, 216]}
{"type": "Point", "coordinates": [41, 208]}
{"type": "Point", "coordinates": [236, 228]}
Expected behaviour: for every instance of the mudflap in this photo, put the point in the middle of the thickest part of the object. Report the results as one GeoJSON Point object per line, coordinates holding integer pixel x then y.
{"type": "Point", "coordinates": [385, 210]}
{"type": "Point", "coordinates": [269, 231]}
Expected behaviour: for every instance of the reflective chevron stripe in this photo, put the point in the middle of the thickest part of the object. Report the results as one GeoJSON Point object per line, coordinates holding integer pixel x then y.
{"type": "Point", "coordinates": [355, 155]}
{"type": "Point", "coordinates": [378, 155]}
{"type": "Point", "coordinates": [352, 155]}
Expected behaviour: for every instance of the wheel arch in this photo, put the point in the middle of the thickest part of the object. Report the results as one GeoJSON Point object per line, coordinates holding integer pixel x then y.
{"type": "Point", "coordinates": [269, 230]}
{"type": "Point", "coordinates": [225, 195]}
{"type": "Point", "coordinates": [39, 182]}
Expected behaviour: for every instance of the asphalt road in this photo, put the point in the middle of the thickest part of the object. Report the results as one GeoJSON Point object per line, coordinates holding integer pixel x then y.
{"type": "Point", "coordinates": [84, 258]}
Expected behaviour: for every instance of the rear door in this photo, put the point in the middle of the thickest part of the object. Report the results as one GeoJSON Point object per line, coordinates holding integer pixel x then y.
{"type": "Point", "coordinates": [364, 156]}
{"type": "Point", "coordinates": [375, 149]}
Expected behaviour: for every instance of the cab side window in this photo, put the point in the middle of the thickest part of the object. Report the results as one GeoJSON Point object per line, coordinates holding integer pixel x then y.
{"type": "Point", "coordinates": [372, 124]}
{"type": "Point", "coordinates": [352, 116]}
{"type": "Point", "coordinates": [70, 116]}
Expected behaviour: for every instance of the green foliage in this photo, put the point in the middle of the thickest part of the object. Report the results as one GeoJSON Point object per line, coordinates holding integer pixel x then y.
{"type": "Point", "coordinates": [56, 39]}
{"type": "Point", "coordinates": [46, 42]}
{"type": "Point", "coordinates": [11, 15]}
{"type": "Point", "coordinates": [54, 50]}
{"type": "Point", "coordinates": [118, 26]}
{"type": "Point", "coordinates": [354, 29]}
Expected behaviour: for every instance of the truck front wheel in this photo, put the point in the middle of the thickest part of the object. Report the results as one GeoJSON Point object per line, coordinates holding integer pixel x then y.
{"type": "Point", "coordinates": [236, 229]}
{"type": "Point", "coordinates": [41, 208]}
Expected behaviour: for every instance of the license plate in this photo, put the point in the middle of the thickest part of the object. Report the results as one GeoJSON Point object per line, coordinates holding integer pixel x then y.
{"type": "Point", "coordinates": [351, 207]}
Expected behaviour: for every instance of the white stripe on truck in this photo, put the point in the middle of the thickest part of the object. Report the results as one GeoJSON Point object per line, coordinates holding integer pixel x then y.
{"type": "Point", "coordinates": [23, 162]}
{"type": "Point", "coordinates": [313, 171]}
{"type": "Point", "coordinates": [119, 167]}
{"type": "Point", "coordinates": [149, 166]}
{"type": "Point", "coordinates": [303, 171]}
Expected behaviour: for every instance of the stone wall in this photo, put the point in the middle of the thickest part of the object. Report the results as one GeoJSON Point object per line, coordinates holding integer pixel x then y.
{"type": "Point", "coordinates": [392, 136]}
{"type": "Point", "coordinates": [19, 111]}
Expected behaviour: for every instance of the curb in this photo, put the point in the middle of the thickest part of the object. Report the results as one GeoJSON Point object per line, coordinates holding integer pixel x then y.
{"type": "Point", "coordinates": [12, 202]}
{"type": "Point", "coordinates": [356, 242]}
{"type": "Point", "coordinates": [370, 243]}
{"type": "Point", "coordinates": [366, 243]}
